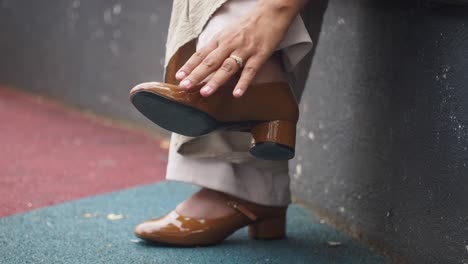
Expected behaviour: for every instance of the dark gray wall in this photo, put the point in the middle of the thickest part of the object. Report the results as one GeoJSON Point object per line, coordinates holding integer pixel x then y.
{"type": "Point", "coordinates": [382, 140]}
{"type": "Point", "coordinates": [87, 53]}
{"type": "Point", "coordinates": [383, 135]}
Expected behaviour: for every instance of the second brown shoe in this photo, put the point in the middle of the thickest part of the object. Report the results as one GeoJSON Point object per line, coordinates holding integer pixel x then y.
{"type": "Point", "coordinates": [268, 111]}
{"type": "Point", "coordinates": [265, 222]}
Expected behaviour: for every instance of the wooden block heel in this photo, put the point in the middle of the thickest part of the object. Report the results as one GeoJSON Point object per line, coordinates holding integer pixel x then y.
{"type": "Point", "coordinates": [274, 140]}
{"type": "Point", "coordinates": [271, 228]}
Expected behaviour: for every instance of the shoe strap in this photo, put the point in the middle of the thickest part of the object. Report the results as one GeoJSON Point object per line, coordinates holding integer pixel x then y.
{"type": "Point", "coordinates": [243, 209]}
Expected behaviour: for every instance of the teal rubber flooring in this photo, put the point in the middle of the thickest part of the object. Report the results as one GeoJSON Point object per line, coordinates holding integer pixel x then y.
{"type": "Point", "coordinates": [99, 229]}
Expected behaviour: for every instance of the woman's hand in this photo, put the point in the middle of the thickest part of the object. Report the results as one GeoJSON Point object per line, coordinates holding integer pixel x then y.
{"type": "Point", "coordinates": [253, 39]}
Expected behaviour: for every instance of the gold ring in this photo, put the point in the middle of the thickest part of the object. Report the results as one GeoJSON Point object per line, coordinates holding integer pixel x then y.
{"type": "Point", "coordinates": [237, 59]}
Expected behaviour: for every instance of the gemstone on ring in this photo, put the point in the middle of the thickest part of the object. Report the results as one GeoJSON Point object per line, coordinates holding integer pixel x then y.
{"type": "Point", "coordinates": [237, 59]}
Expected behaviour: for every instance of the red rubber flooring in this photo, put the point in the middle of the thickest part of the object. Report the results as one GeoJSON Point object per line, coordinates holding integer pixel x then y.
{"type": "Point", "coordinates": [50, 154]}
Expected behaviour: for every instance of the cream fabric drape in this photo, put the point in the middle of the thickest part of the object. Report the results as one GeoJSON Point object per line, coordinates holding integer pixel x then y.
{"type": "Point", "coordinates": [188, 18]}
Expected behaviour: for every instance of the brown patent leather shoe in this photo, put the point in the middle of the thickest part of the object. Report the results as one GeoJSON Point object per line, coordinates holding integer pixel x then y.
{"type": "Point", "coordinates": [269, 111]}
{"type": "Point", "coordinates": [265, 222]}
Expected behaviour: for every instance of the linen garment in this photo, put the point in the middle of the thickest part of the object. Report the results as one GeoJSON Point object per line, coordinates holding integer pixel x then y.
{"type": "Point", "coordinates": [220, 160]}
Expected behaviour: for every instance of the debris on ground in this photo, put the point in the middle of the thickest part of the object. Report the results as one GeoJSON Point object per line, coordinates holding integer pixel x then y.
{"type": "Point", "coordinates": [114, 217]}
{"type": "Point", "coordinates": [164, 144]}
{"type": "Point", "coordinates": [334, 243]}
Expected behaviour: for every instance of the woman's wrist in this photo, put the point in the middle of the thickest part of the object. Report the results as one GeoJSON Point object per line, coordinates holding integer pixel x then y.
{"type": "Point", "coordinates": [280, 12]}
{"type": "Point", "coordinates": [291, 7]}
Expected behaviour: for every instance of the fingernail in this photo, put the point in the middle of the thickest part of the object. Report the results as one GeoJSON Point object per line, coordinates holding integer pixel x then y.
{"type": "Point", "coordinates": [238, 92]}
{"type": "Point", "coordinates": [185, 83]}
{"type": "Point", "coordinates": [206, 89]}
{"type": "Point", "coordinates": [180, 75]}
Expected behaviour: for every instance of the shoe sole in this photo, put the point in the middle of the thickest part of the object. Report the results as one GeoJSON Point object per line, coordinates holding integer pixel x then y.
{"type": "Point", "coordinates": [272, 151]}
{"type": "Point", "coordinates": [178, 118]}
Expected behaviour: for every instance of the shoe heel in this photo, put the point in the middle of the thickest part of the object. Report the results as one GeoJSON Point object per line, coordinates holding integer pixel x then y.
{"type": "Point", "coordinates": [272, 228]}
{"type": "Point", "coordinates": [274, 140]}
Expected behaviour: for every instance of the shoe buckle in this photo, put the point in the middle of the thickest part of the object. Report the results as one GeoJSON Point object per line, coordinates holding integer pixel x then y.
{"type": "Point", "coordinates": [243, 210]}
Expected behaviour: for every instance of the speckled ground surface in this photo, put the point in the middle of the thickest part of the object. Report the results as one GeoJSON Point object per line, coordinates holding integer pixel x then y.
{"type": "Point", "coordinates": [99, 230]}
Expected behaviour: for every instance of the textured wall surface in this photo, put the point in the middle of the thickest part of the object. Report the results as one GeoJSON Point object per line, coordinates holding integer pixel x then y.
{"type": "Point", "coordinates": [87, 53]}
{"type": "Point", "coordinates": [383, 136]}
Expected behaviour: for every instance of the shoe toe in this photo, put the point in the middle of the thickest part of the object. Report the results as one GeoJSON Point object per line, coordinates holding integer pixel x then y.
{"type": "Point", "coordinates": [161, 229]}
{"type": "Point", "coordinates": [141, 229]}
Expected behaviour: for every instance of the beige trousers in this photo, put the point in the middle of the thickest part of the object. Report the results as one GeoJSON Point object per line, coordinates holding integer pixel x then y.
{"type": "Point", "coordinates": [220, 160]}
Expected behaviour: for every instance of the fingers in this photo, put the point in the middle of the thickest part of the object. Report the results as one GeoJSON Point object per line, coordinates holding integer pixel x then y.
{"type": "Point", "coordinates": [195, 60]}
{"type": "Point", "coordinates": [248, 74]}
{"type": "Point", "coordinates": [222, 75]}
{"type": "Point", "coordinates": [214, 61]}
